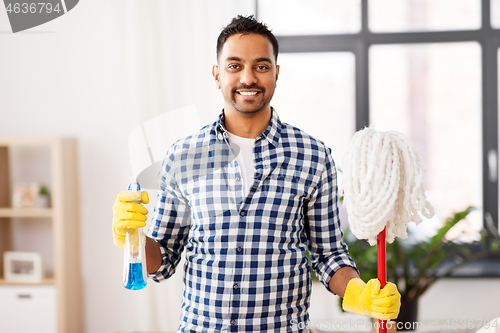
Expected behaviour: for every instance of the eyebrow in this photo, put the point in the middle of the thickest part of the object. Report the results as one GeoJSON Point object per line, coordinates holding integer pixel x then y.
{"type": "Point", "coordinates": [264, 59]}
{"type": "Point", "coordinates": [256, 60]}
{"type": "Point", "coordinates": [233, 59]}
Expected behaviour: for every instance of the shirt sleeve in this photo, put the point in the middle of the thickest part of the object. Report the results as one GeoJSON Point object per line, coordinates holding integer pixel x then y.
{"type": "Point", "coordinates": [327, 249]}
{"type": "Point", "coordinates": [171, 219]}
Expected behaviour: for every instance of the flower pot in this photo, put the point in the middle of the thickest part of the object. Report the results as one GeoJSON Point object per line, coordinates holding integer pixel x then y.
{"type": "Point", "coordinates": [407, 318]}
{"type": "Point", "coordinates": [42, 201]}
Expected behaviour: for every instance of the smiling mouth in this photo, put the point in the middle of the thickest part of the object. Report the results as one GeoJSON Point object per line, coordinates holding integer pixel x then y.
{"type": "Point", "coordinates": [248, 93]}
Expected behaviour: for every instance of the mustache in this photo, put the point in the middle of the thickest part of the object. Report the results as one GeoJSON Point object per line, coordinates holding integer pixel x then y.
{"type": "Point", "coordinates": [246, 86]}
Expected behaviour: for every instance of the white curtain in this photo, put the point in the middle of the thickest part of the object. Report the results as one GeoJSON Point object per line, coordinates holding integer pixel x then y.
{"type": "Point", "coordinates": [167, 53]}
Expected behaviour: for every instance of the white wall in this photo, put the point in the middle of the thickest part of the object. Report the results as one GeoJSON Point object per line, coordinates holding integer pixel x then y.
{"type": "Point", "coordinates": [94, 74]}
{"type": "Point", "coordinates": [97, 72]}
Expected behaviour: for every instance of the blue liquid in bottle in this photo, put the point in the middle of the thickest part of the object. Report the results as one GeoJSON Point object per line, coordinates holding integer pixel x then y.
{"type": "Point", "coordinates": [134, 268]}
{"type": "Point", "coordinates": [135, 279]}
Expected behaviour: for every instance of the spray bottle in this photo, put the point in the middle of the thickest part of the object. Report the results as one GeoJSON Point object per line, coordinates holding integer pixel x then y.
{"type": "Point", "coordinates": [134, 268]}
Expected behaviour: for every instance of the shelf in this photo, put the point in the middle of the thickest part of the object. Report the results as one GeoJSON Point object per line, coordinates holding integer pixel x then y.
{"type": "Point", "coordinates": [56, 159]}
{"type": "Point", "coordinates": [45, 282]}
{"type": "Point", "coordinates": [28, 141]}
{"type": "Point", "coordinates": [26, 212]}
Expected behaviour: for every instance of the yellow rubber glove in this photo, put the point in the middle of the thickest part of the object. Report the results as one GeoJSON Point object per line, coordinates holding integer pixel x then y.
{"type": "Point", "coordinates": [127, 214]}
{"type": "Point", "coordinates": [369, 300]}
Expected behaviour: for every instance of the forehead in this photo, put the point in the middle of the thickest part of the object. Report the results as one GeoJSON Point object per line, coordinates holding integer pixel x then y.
{"type": "Point", "coordinates": [247, 46]}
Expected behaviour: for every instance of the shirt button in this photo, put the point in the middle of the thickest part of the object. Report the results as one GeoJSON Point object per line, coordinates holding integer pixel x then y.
{"type": "Point", "coordinates": [235, 286]}
{"type": "Point", "coordinates": [242, 214]}
{"type": "Point", "coordinates": [237, 179]}
{"type": "Point", "coordinates": [233, 322]}
{"type": "Point", "coordinates": [238, 249]}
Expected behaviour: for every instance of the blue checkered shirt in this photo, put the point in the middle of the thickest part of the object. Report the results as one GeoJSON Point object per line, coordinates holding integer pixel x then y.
{"type": "Point", "coordinates": [246, 267]}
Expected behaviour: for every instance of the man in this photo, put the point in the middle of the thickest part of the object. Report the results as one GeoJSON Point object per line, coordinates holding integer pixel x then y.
{"type": "Point", "coordinates": [245, 198]}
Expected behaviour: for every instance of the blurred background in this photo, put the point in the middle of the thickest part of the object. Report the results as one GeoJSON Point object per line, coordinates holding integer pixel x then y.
{"type": "Point", "coordinates": [427, 68]}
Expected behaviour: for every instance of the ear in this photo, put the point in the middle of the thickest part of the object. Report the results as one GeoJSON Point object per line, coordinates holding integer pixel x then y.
{"type": "Point", "coordinates": [277, 71]}
{"type": "Point", "coordinates": [215, 74]}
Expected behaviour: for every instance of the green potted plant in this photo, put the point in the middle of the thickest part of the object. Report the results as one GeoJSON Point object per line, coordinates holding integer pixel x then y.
{"type": "Point", "coordinates": [43, 197]}
{"type": "Point", "coordinates": [414, 266]}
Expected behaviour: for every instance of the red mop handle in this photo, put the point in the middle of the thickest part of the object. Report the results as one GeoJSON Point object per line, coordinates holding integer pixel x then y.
{"type": "Point", "coordinates": [381, 272]}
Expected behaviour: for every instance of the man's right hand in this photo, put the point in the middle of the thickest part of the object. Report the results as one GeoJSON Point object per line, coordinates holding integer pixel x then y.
{"type": "Point", "coordinates": [128, 214]}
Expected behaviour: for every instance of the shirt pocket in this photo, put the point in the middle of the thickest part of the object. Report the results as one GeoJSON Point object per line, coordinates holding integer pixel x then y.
{"type": "Point", "coordinates": [286, 184]}
{"type": "Point", "coordinates": [286, 193]}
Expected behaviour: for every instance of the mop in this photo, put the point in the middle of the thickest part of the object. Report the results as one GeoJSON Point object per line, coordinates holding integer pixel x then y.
{"type": "Point", "coordinates": [383, 190]}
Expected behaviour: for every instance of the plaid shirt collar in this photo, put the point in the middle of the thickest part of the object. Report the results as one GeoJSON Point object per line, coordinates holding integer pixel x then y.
{"type": "Point", "coordinates": [272, 132]}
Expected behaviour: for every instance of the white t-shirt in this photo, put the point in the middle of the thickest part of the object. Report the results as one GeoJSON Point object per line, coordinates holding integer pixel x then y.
{"type": "Point", "coordinates": [244, 158]}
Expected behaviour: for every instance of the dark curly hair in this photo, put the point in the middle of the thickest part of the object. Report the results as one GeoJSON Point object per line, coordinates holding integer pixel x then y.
{"type": "Point", "coordinates": [241, 24]}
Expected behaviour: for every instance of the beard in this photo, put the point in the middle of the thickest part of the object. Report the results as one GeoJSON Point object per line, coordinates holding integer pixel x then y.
{"type": "Point", "coordinates": [248, 106]}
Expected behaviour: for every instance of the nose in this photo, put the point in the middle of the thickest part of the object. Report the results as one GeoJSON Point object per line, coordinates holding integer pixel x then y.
{"type": "Point", "coordinates": [248, 76]}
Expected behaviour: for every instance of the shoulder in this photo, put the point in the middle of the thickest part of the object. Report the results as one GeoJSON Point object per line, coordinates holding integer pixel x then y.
{"type": "Point", "coordinates": [197, 139]}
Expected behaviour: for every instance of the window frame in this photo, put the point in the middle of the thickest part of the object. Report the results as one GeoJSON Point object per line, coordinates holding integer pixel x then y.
{"type": "Point", "coordinates": [359, 43]}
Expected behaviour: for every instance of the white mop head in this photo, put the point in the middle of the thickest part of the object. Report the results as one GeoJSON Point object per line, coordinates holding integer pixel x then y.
{"type": "Point", "coordinates": [383, 185]}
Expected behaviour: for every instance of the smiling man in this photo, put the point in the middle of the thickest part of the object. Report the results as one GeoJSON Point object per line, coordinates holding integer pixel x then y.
{"type": "Point", "coordinates": [247, 75]}
{"type": "Point", "coordinates": [246, 198]}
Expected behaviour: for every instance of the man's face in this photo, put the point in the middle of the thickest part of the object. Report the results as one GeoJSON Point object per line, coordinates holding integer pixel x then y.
{"type": "Point", "coordinates": [246, 73]}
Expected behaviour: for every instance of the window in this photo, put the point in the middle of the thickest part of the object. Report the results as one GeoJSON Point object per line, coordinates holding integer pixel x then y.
{"type": "Point", "coordinates": [319, 102]}
{"type": "Point", "coordinates": [306, 17]}
{"type": "Point", "coordinates": [424, 15]}
{"type": "Point", "coordinates": [431, 93]}
{"type": "Point", "coordinates": [495, 14]}
{"type": "Point", "coordinates": [427, 68]}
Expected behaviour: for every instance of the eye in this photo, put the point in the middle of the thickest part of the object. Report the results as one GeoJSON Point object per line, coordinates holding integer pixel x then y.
{"type": "Point", "coordinates": [232, 66]}
{"type": "Point", "coordinates": [262, 67]}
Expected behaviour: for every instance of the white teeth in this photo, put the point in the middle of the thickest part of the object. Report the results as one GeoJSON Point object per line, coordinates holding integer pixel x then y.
{"type": "Point", "coordinates": [248, 93]}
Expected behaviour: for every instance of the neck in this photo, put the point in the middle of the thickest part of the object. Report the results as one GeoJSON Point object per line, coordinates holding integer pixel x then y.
{"type": "Point", "coordinates": [247, 125]}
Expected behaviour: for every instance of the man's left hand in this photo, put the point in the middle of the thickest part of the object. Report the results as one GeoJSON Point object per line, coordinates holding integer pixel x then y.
{"type": "Point", "coordinates": [372, 301]}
